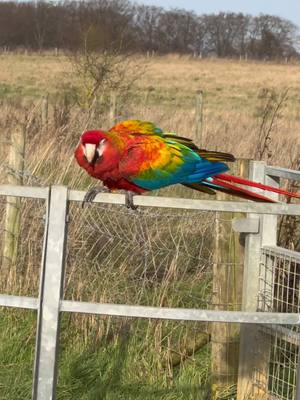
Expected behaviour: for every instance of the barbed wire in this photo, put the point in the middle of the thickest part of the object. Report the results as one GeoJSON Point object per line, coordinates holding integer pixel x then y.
{"type": "Point", "coordinates": [21, 174]}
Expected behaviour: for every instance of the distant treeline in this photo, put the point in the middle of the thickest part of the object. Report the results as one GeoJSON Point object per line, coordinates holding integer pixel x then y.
{"type": "Point", "coordinates": [120, 24]}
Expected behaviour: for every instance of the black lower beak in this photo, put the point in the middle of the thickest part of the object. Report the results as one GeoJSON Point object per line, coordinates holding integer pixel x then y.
{"type": "Point", "coordinates": [96, 158]}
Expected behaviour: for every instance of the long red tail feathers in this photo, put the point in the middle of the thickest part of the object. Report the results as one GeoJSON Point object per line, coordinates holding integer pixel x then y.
{"type": "Point", "coordinates": [246, 182]}
{"type": "Point", "coordinates": [240, 192]}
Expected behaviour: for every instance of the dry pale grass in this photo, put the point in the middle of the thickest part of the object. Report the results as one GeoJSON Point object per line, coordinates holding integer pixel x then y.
{"type": "Point", "coordinates": [166, 91]}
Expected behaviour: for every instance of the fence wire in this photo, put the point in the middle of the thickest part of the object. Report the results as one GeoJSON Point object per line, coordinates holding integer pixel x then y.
{"type": "Point", "coordinates": [148, 257]}
{"type": "Point", "coordinates": [21, 244]}
{"type": "Point", "coordinates": [279, 292]}
{"type": "Point", "coordinates": [152, 257]}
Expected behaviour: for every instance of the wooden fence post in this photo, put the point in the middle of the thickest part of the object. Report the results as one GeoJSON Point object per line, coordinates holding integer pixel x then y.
{"type": "Point", "coordinates": [227, 294]}
{"type": "Point", "coordinates": [149, 90]}
{"type": "Point", "coordinates": [13, 212]}
{"type": "Point", "coordinates": [199, 117]}
{"type": "Point", "coordinates": [113, 108]}
{"type": "Point", "coordinates": [45, 111]}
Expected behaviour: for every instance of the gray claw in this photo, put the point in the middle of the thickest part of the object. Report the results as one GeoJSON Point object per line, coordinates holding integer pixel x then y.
{"type": "Point", "coordinates": [92, 193]}
{"type": "Point", "coordinates": [129, 200]}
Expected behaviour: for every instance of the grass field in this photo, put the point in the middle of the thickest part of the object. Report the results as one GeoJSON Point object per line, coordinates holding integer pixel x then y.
{"type": "Point", "coordinates": [152, 258]}
{"type": "Point", "coordinates": [233, 98]}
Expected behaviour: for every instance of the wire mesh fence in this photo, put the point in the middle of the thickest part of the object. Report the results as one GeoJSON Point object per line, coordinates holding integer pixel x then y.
{"type": "Point", "coordinates": [21, 245]}
{"type": "Point", "coordinates": [149, 257]}
{"type": "Point", "coordinates": [279, 292]}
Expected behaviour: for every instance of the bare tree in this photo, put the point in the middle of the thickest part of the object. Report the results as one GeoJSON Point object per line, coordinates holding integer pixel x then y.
{"type": "Point", "coordinates": [147, 27]}
{"type": "Point", "coordinates": [272, 37]}
{"type": "Point", "coordinates": [125, 26]}
{"type": "Point", "coordinates": [226, 33]}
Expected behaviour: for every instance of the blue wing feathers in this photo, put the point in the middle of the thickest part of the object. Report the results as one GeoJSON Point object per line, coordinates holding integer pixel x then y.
{"type": "Point", "coordinates": [206, 170]}
{"type": "Point", "coordinates": [188, 174]}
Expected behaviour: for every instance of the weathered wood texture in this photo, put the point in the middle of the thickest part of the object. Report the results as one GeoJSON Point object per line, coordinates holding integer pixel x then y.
{"type": "Point", "coordinates": [113, 108]}
{"type": "Point", "coordinates": [13, 205]}
{"type": "Point", "coordinates": [44, 111]}
{"type": "Point", "coordinates": [199, 118]}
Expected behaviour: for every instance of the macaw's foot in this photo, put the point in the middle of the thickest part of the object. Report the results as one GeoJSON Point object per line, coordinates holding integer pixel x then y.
{"type": "Point", "coordinates": [129, 200]}
{"type": "Point", "coordinates": [92, 193]}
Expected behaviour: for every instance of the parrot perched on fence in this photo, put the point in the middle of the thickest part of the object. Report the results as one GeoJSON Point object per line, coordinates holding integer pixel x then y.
{"type": "Point", "coordinates": [137, 156]}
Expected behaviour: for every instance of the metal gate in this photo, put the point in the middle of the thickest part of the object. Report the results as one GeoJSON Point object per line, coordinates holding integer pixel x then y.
{"type": "Point", "coordinates": [257, 317]}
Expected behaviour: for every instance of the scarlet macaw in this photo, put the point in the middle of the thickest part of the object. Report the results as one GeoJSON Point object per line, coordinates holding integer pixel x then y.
{"type": "Point", "coordinates": [138, 157]}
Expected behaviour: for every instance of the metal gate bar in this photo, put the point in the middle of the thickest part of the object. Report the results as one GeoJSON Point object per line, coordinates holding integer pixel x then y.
{"type": "Point", "coordinates": [51, 289]}
{"type": "Point", "coordinates": [50, 302]}
{"type": "Point", "coordinates": [187, 314]}
{"type": "Point", "coordinates": [161, 202]}
{"type": "Point", "coordinates": [30, 303]}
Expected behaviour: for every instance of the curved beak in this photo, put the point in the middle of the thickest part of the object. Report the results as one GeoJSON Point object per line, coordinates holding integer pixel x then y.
{"type": "Point", "coordinates": [89, 151]}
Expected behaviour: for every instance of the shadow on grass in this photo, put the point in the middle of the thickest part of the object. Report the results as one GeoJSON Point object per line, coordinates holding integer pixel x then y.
{"type": "Point", "coordinates": [101, 374]}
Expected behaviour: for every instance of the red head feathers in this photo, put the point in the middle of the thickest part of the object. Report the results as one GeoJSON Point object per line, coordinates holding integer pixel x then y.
{"type": "Point", "coordinates": [92, 137]}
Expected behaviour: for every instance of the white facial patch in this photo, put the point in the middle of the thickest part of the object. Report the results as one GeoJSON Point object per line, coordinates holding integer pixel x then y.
{"type": "Point", "coordinates": [101, 147]}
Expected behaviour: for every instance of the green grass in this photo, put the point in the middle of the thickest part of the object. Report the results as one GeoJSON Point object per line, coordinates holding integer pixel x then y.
{"type": "Point", "coordinates": [17, 341]}
{"type": "Point", "coordinates": [13, 91]}
{"type": "Point", "coordinates": [123, 364]}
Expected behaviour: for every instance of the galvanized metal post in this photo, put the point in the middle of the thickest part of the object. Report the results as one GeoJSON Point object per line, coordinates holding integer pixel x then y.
{"type": "Point", "coordinates": [51, 288]}
{"type": "Point", "coordinates": [254, 346]}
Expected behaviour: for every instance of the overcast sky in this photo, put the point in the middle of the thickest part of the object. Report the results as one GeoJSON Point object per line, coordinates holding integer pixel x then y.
{"type": "Point", "coordinates": [289, 9]}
